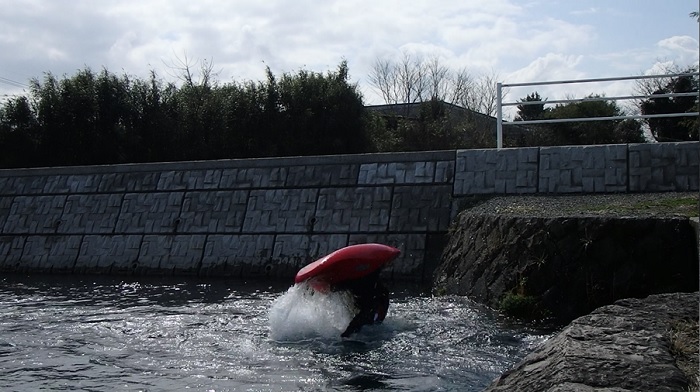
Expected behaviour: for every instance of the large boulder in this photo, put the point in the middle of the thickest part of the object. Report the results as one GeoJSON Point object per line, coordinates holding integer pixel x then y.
{"type": "Point", "coordinates": [565, 266]}
{"type": "Point", "coordinates": [627, 346]}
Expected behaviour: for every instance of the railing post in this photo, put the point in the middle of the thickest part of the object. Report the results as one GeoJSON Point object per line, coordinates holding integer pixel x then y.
{"type": "Point", "coordinates": [499, 116]}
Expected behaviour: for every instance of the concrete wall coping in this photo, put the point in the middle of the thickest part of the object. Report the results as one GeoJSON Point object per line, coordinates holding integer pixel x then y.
{"type": "Point", "coordinates": [419, 156]}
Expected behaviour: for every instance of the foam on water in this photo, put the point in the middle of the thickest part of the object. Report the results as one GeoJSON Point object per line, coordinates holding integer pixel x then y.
{"type": "Point", "coordinates": [92, 333]}
{"type": "Point", "coordinates": [303, 313]}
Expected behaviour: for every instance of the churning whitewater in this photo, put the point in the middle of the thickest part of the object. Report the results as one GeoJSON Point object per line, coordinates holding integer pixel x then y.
{"type": "Point", "coordinates": [101, 333]}
{"type": "Point", "coordinates": [303, 313]}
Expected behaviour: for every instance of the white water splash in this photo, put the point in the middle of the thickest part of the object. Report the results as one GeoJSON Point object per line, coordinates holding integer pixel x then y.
{"type": "Point", "coordinates": [303, 313]}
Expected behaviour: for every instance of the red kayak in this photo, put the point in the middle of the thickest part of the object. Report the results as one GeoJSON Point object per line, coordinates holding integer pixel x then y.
{"type": "Point", "coordinates": [351, 262]}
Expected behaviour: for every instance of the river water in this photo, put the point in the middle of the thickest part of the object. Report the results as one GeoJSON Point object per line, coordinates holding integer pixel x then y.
{"type": "Point", "coordinates": [114, 334]}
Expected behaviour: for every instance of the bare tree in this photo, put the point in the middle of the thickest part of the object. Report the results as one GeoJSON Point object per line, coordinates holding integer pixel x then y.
{"type": "Point", "coordinates": [438, 78]}
{"type": "Point", "coordinates": [481, 94]}
{"type": "Point", "coordinates": [413, 79]}
{"type": "Point", "coordinates": [650, 86]}
{"type": "Point", "coordinates": [409, 80]}
{"type": "Point", "coordinates": [461, 83]}
{"type": "Point", "coordinates": [183, 69]}
{"type": "Point", "coordinates": [382, 77]}
{"type": "Point", "coordinates": [654, 85]}
{"type": "Point", "coordinates": [400, 82]}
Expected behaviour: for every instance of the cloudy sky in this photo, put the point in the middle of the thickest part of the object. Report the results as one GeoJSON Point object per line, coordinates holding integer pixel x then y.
{"type": "Point", "coordinates": [520, 40]}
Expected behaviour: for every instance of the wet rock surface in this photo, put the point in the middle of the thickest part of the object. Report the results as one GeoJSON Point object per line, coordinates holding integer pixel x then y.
{"type": "Point", "coordinates": [591, 257]}
{"type": "Point", "coordinates": [626, 346]}
{"type": "Point", "coordinates": [561, 257]}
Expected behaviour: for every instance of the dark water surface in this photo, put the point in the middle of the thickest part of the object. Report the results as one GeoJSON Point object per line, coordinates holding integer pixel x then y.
{"type": "Point", "coordinates": [116, 334]}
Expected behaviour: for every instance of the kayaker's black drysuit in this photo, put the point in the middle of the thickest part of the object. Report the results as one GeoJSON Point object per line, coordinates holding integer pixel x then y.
{"type": "Point", "coordinates": [371, 298]}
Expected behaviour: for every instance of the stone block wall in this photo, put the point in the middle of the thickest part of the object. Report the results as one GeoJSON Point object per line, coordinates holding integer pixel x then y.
{"type": "Point", "coordinates": [612, 168]}
{"type": "Point", "coordinates": [258, 217]}
{"type": "Point", "coordinates": [505, 171]}
{"type": "Point", "coordinates": [663, 167]}
{"type": "Point", "coordinates": [583, 169]}
{"type": "Point", "coordinates": [269, 217]}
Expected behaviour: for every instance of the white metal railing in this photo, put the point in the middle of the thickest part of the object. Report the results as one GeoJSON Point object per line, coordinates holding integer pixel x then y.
{"type": "Point", "coordinates": [501, 104]}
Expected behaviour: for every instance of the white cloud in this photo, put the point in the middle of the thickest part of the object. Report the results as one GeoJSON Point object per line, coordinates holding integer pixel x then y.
{"type": "Point", "coordinates": [530, 40]}
{"type": "Point", "coordinates": [683, 50]}
{"type": "Point", "coordinates": [552, 66]}
{"type": "Point", "coordinates": [587, 11]}
{"type": "Point", "coordinates": [680, 43]}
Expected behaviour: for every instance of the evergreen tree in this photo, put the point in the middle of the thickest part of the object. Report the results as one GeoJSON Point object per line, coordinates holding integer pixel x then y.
{"type": "Point", "coordinates": [674, 128]}
{"type": "Point", "coordinates": [531, 111]}
{"type": "Point", "coordinates": [98, 118]}
{"type": "Point", "coordinates": [18, 133]}
{"type": "Point", "coordinates": [320, 114]}
{"type": "Point", "coordinates": [578, 132]}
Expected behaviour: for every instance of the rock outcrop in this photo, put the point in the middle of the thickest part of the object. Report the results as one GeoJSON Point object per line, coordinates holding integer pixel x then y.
{"type": "Point", "coordinates": [566, 266]}
{"type": "Point", "coordinates": [627, 346]}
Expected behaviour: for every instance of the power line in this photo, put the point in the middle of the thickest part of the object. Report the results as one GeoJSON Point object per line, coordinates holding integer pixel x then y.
{"type": "Point", "coordinates": [13, 83]}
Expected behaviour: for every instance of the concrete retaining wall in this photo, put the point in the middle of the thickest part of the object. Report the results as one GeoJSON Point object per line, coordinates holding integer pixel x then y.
{"type": "Point", "coordinates": [658, 167]}
{"type": "Point", "coordinates": [269, 217]}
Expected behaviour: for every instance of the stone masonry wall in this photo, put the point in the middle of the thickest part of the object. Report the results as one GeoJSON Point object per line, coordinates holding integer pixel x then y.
{"type": "Point", "coordinates": [269, 217]}
{"type": "Point", "coordinates": [254, 217]}
{"type": "Point", "coordinates": [650, 167]}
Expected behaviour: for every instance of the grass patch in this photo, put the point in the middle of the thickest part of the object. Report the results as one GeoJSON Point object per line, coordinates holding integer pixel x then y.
{"type": "Point", "coordinates": [681, 206]}
{"type": "Point", "coordinates": [519, 304]}
{"type": "Point", "coordinates": [524, 307]}
{"type": "Point", "coordinates": [684, 348]}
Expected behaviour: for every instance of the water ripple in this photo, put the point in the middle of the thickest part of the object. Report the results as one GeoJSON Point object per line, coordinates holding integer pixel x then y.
{"type": "Point", "coordinates": [101, 334]}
